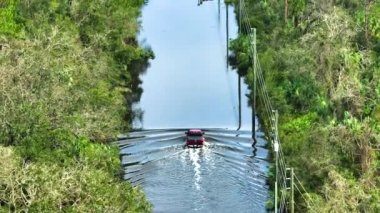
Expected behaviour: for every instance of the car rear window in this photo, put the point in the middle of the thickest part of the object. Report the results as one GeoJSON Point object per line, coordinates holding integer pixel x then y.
{"type": "Point", "coordinates": [194, 133]}
{"type": "Point", "coordinates": [194, 137]}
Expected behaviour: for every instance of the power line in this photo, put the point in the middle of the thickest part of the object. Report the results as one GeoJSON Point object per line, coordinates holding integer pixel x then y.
{"type": "Point", "coordinates": [281, 167]}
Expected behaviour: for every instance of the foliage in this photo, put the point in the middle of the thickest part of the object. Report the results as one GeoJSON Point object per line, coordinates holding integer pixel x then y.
{"type": "Point", "coordinates": [321, 69]}
{"type": "Point", "coordinates": [8, 24]}
{"type": "Point", "coordinates": [48, 187]}
{"type": "Point", "coordinates": [67, 71]}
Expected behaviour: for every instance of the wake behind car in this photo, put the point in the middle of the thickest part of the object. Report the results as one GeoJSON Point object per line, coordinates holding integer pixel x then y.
{"type": "Point", "coordinates": [194, 138]}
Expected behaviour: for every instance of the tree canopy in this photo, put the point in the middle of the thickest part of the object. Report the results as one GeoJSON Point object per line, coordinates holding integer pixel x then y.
{"type": "Point", "coordinates": [322, 68]}
{"type": "Point", "coordinates": [68, 70]}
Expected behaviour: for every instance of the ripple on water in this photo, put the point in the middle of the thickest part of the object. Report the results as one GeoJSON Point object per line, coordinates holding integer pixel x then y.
{"type": "Point", "coordinates": [224, 176]}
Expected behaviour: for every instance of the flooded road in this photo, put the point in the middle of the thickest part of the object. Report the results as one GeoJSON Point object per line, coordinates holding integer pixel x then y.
{"type": "Point", "coordinates": [226, 175]}
{"type": "Point", "coordinates": [190, 85]}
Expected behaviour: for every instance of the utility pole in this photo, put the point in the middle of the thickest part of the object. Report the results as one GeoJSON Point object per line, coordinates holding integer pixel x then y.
{"type": "Point", "coordinates": [240, 10]}
{"type": "Point", "coordinates": [239, 77]}
{"type": "Point", "coordinates": [291, 189]}
{"type": "Point", "coordinates": [275, 195]}
{"type": "Point", "coordinates": [227, 32]}
{"type": "Point", "coordinates": [239, 96]}
{"type": "Point", "coordinates": [254, 86]}
{"type": "Point", "coordinates": [218, 11]}
{"type": "Point", "coordinates": [276, 149]}
{"type": "Point", "coordinates": [366, 22]}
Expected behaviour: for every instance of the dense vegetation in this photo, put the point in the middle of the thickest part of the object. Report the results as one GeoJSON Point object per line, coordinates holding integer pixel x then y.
{"type": "Point", "coordinates": [69, 70]}
{"type": "Point", "coordinates": [322, 67]}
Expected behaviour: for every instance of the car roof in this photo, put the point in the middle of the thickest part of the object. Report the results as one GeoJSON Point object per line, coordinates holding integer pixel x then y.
{"type": "Point", "coordinates": [195, 131]}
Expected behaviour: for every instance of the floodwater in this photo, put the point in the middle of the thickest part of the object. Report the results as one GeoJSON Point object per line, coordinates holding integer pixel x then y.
{"type": "Point", "coordinates": [189, 85]}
